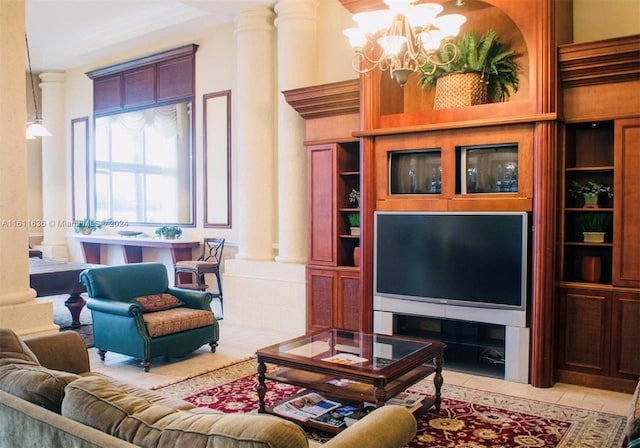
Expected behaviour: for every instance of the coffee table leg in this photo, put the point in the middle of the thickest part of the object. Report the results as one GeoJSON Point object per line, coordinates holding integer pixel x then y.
{"type": "Point", "coordinates": [438, 380]}
{"type": "Point", "coordinates": [380, 394]}
{"type": "Point", "coordinates": [261, 387]}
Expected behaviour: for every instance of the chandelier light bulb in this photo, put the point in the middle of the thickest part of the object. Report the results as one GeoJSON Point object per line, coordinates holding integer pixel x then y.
{"type": "Point", "coordinates": [449, 25]}
{"type": "Point", "coordinates": [424, 15]}
{"type": "Point", "coordinates": [373, 21]}
{"type": "Point", "coordinates": [392, 45]}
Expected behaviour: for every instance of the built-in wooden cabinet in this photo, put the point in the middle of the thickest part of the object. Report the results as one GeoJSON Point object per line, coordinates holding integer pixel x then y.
{"type": "Point", "coordinates": [333, 281]}
{"type": "Point", "coordinates": [598, 294]}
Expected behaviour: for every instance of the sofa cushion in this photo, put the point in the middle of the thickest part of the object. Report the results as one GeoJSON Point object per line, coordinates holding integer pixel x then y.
{"type": "Point", "coordinates": [98, 403]}
{"type": "Point", "coordinates": [13, 350]}
{"type": "Point", "coordinates": [36, 384]}
{"type": "Point", "coordinates": [158, 302]}
{"type": "Point", "coordinates": [176, 320]}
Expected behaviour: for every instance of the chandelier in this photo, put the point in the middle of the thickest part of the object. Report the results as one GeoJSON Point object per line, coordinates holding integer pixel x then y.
{"type": "Point", "coordinates": [403, 38]}
{"type": "Point", "coordinates": [35, 128]}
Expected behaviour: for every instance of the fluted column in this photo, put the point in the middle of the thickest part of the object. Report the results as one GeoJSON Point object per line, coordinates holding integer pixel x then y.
{"type": "Point", "coordinates": [18, 307]}
{"type": "Point", "coordinates": [297, 61]}
{"type": "Point", "coordinates": [255, 141]}
{"type": "Point", "coordinates": [54, 167]}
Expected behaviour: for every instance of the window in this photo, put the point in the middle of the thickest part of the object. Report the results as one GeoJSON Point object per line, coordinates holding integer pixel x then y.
{"type": "Point", "coordinates": [143, 165]}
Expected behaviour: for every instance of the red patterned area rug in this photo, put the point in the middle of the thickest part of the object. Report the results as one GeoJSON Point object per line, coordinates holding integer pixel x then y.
{"type": "Point", "coordinates": [468, 418]}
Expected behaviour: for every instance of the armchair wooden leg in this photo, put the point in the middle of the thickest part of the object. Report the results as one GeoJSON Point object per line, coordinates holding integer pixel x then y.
{"type": "Point", "coordinates": [213, 346]}
{"type": "Point", "coordinates": [102, 353]}
{"type": "Point", "coordinates": [146, 365]}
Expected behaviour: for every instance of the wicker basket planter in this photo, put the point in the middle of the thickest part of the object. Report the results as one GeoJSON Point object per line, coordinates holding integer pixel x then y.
{"type": "Point", "coordinates": [460, 89]}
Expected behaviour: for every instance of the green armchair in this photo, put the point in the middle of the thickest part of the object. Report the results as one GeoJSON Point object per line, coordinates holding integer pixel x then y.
{"type": "Point", "coordinates": [136, 313]}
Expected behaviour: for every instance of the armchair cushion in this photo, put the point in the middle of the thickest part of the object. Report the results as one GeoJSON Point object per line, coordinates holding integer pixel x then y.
{"type": "Point", "coordinates": [176, 320]}
{"type": "Point", "coordinates": [158, 302]}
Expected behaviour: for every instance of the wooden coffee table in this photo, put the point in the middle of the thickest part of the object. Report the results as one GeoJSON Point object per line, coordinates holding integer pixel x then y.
{"type": "Point", "coordinates": [383, 366]}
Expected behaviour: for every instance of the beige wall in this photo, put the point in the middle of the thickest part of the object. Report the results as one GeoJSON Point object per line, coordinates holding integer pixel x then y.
{"type": "Point", "coordinates": [604, 19]}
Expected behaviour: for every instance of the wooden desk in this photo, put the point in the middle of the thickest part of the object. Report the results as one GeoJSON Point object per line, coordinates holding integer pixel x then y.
{"type": "Point", "coordinates": [132, 247]}
{"type": "Point", "coordinates": [53, 277]}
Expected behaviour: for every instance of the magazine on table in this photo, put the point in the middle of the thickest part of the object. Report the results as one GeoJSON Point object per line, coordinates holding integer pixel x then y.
{"type": "Point", "coordinates": [345, 358]}
{"type": "Point", "coordinates": [305, 407]}
{"type": "Point", "coordinates": [408, 400]}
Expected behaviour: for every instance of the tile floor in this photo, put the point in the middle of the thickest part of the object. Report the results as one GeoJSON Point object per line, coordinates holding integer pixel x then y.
{"type": "Point", "coordinates": [239, 343]}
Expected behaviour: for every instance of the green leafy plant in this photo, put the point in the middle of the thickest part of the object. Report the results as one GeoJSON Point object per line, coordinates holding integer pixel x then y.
{"type": "Point", "coordinates": [484, 54]}
{"type": "Point", "coordinates": [354, 219]}
{"type": "Point", "coordinates": [577, 189]}
{"type": "Point", "coordinates": [86, 225]}
{"type": "Point", "coordinates": [594, 222]}
{"type": "Point", "coordinates": [169, 232]}
{"type": "Point", "coordinates": [354, 196]}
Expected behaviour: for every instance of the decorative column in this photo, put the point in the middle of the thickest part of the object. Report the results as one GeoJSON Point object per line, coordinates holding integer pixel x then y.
{"type": "Point", "coordinates": [297, 66]}
{"type": "Point", "coordinates": [18, 307]}
{"type": "Point", "coordinates": [255, 137]}
{"type": "Point", "coordinates": [54, 168]}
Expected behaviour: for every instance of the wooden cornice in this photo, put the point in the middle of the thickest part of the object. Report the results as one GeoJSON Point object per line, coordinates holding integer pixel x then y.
{"type": "Point", "coordinates": [600, 62]}
{"type": "Point", "coordinates": [354, 6]}
{"type": "Point", "coordinates": [326, 100]}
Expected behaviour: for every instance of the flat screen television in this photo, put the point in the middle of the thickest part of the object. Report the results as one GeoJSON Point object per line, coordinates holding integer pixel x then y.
{"type": "Point", "coordinates": [457, 258]}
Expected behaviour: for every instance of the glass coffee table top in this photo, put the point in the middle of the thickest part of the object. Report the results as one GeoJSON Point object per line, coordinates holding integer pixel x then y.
{"type": "Point", "coordinates": [362, 351]}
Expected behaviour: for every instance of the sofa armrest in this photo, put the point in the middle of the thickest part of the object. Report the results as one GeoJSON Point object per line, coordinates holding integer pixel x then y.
{"type": "Point", "coordinates": [387, 427]}
{"type": "Point", "coordinates": [200, 300]}
{"type": "Point", "coordinates": [109, 306]}
{"type": "Point", "coordinates": [64, 351]}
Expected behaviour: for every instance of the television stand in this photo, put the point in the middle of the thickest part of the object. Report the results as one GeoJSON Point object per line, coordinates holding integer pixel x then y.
{"type": "Point", "coordinates": [514, 346]}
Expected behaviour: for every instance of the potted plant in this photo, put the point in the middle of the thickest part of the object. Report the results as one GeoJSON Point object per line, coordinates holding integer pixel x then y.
{"type": "Point", "coordinates": [169, 232]}
{"type": "Point", "coordinates": [86, 226]}
{"type": "Point", "coordinates": [590, 191]}
{"type": "Point", "coordinates": [594, 226]}
{"type": "Point", "coordinates": [354, 222]}
{"type": "Point", "coordinates": [482, 62]}
{"type": "Point", "coordinates": [354, 197]}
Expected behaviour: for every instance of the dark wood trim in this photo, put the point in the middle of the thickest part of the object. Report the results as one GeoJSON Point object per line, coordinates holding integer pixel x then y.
{"type": "Point", "coordinates": [325, 100]}
{"type": "Point", "coordinates": [551, 116]}
{"type": "Point", "coordinates": [597, 381]}
{"type": "Point", "coordinates": [602, 62]}
{"type": "Point", "coordinates": [187, 50]}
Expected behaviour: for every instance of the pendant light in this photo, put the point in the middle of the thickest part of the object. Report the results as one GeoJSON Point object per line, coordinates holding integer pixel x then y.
{"type": "Point", "coordinates": [35, 128]}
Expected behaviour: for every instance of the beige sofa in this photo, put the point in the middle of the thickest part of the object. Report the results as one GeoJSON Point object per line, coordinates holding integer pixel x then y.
{"type": "Point", "coordinates": [49, 397]}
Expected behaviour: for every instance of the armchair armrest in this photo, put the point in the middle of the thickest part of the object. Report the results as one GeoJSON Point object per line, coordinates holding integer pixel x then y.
{"type": "Point", "coordinates": [387, 427]}
{"type": "Point", "coordinates": [64, 351]}
{"type": "Point", "coordinates": [200, 300]}
{"type": "Point", "coordinates": [114, 306]}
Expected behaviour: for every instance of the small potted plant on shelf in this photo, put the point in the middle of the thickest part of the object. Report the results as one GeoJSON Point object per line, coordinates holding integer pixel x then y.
{"type": "Point", "coordinates": [354, 222]}
{"type": "Point", "coordinates": [594, 225]}
{"type": "Point", "coordinates": [86, 226]}
{"type": "Point", "coordinates": [482, 70]}
{"type": "Point", "coordinates": [169, 232]}
{"type": "Point", "coordinates": [590, 191]}
{"type": "Point", "coordinates": [354, 197]}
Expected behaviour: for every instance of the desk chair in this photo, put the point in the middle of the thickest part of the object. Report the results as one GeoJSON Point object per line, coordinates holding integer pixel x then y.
{"type": "Point", "coordinates": [207, 263]}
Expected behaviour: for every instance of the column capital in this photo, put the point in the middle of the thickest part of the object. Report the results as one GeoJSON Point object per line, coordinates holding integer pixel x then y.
{"type": "Point", "coordinates": [48, 78]}
{"type": "Point", "coordinates": [296, 10]}
{"type": "Point", "coordinates": [259, 18]}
